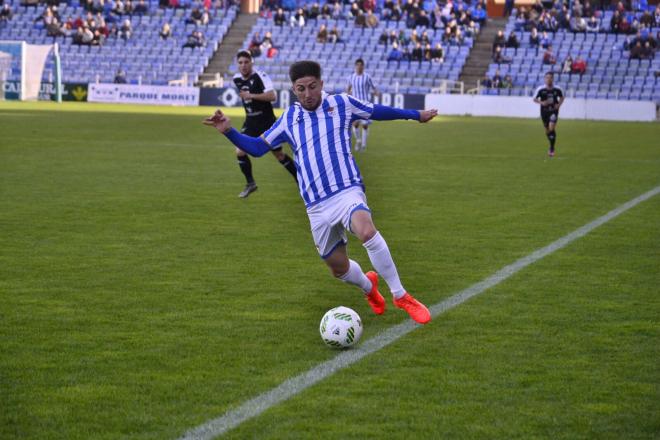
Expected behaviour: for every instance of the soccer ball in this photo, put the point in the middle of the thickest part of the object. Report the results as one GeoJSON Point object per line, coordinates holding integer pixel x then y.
{"type": "Point", "coordinates": [341, 327]}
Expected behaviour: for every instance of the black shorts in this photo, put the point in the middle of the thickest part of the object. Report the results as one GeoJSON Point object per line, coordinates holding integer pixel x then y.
{"type": "Point", "coordinates": [548, 117]}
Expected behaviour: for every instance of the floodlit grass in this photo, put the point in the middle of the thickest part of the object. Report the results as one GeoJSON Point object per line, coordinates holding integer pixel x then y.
{"type": "Point", "coordinates": [139, 297]}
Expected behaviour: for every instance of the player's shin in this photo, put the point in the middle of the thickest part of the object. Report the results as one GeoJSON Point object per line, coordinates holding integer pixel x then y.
{"type": "Point", "coordinates": [287, 163]}
{"type": "Point", "coordinates": [381, 259]}
{"type": "Point", "coordinates": [356, 277]}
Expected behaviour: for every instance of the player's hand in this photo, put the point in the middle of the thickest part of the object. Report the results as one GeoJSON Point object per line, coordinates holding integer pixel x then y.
{"type": "Point", "coordinates": [427, 115]}
{"type": "Point", "coordinates": [219, 121]}
{"type": "Point", "coordinates": [245, 95]}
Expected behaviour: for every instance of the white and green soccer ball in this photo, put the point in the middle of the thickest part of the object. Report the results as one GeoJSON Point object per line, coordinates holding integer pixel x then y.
{"type": "Point", "coordinates": [341, 327]}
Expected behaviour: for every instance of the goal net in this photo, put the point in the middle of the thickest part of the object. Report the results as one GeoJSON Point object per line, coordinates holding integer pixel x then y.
{"type": "Point", "coordinates": [24, 70]}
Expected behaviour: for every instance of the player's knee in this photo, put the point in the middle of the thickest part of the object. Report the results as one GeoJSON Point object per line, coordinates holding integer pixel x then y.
{"type": "Point", "coordinates": [338, 270]}
{"type": "Point", "coordinates": [367, 233]}
{"type": "Point", "coordinates": [240, 153]}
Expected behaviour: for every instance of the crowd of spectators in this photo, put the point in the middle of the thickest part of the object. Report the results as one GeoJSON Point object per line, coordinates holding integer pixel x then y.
{"type": "Point", "coordinates": [497, 81]}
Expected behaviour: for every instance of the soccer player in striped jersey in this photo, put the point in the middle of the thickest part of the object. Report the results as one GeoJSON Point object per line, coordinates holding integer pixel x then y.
{"type": "Point", "coordinates": [318, 129]}
{"type": "Point", "coordinates": [360, 85]}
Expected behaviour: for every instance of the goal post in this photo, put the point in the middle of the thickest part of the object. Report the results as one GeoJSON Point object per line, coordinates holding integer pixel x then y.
{"type": "Point", "coordinates": [28, 62]}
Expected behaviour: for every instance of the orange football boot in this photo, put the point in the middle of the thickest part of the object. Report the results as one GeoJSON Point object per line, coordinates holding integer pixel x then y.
{"type": "Point", "coordinates": [417, 311]}
{"type": "Point", "coordinates": [374, 298]}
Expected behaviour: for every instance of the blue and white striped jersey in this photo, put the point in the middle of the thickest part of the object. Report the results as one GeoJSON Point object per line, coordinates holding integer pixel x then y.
{"type": "Point", "coordinates": [361, 86]}
{"type": "Point", "coordinates": [321, 143]}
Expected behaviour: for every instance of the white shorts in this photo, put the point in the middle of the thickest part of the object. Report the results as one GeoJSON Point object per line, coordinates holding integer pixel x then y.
{"type": "Point", "coordinates": [330, 219]}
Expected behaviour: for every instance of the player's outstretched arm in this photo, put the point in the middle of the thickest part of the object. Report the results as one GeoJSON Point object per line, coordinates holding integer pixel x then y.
{"type": "Point", "coordinates": [251, 145]}
{"type": "Point", "coordinates": [385, 113]}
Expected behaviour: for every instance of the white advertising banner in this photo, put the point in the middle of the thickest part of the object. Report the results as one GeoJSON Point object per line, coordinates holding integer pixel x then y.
{"type": "Point", "coordinates": [135, 94]}
{"type": "Point", "coordinates": [524, 107]}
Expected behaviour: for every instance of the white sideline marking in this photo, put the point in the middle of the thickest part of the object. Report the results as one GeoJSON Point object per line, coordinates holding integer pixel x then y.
{"type": "Point", "coordinates": [297, 384]}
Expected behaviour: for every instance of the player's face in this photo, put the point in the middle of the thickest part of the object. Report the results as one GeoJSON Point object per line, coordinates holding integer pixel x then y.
{"type": "Point", "coordinates": [308, 90]}
{"type": "Point", "coordinates": [549, 80]}
{"type": "Point", "coordinates": [245, 66]}
{"type": "Point", "coordinates": [359, 68]}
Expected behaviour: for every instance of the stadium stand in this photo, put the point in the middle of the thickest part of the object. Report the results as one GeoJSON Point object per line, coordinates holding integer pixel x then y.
{"type": "Point", "coordinates": [145, 57]}
{"type": "Point", "coordinates": [610, 71]}
{"type": "Point", "coordinates": [293, 42]}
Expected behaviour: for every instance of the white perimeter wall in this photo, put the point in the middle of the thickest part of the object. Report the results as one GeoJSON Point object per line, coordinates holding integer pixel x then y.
{"type": "Point", "coordinates": [524, 107]}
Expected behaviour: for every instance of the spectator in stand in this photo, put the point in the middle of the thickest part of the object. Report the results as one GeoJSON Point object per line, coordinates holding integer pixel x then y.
{"type": "Point", "coordinates": [120, 77]}
{"type": "Point", "coordinates": [279, 18]}
{"type": "Point", "coordinates": [499, 58]}
{"type": "Point", "coordinates": [479, 15]}
{"type": "Point", "coordinates": [322, 35]}
{"type": "Point", "coordinates": [397, 13]}
{"type": "Point", "coordinates": [128, 5]}
{"type": "Point", "coordinates": [615, 22]}
{"type": "Point", "coordinates": [579, 65]}
{"type": "Point", "coordinates": [438, 54]}
{"type": "Point", "coordinates": [647, 51]}
{"type": "Point", "coordinates": [326, 11]}
{"type": "Point", "coordinates": [395, 54]}
{"type": "Point", "coordinates": [549, 56]}
{"type": "Point", "coordinates": [77, 38]}
{"type": "Point", "coordinates": [507, 82]}
{"type": "Point", "coordinates": [428, 52]}
{"type": "Point", "coordinates": [360, 19]}
{"type": "Point", "coordinates": [126, 29]}
{"type": "Point", "coordinates": [384, 37]}
{"type": "Point", "coordinates": [498, 41]}
{"type": "Point", "coordinates": [195, 39]}
{"type": "Point", "coordinates": [297, 19]}
{"type": "Point", "coordinates": [354, 10]}
{"type": "Point", "coordinates": [141, 8]}
{"type": "Point", "coordinates": [423, 19]}
{"type": "Point", "coordinates": [417, 52]}
{"type": "Point", "coordinates": [545, 40]}
{"type": "Point", "coordinates": [255, 45]}
{"type": "Point", "coordinates": [87, 36]}
{"type": "Point", "coordinates": [334, 36]}
{"type": "Point", "coordinates": [521, 21]}
{"type": "Point", "coordinates": [578, 24]}
{"type": "Point", "coordinates": [289, 5]}
{"type": "Point", "coordinates": [314, 12]}
{"type": "Point", "coordinates": [593, 25]}
{"type": "Point", "coordinates": [567, 64]}
{"type": "Point", "coordinates": [647, 20]}
{"type": "Point", "coordinates": [472, 30]}
{"type": "Point", "coordinates": [458, 37]}
{"type": "Point", "coordinates": [371, 21]}
{"type": "Point", "coordinates": [267, 44]}
{"type": "Point", "coordinates": [195, 17]}
{"type": "Point", "coordinates": [5, 13]}
{"type": "Point", "coordinates": [534, 39]}
{"type": "Point", "coordinates": [497, 80]}
{"type": "Point", "coordinates": [165, 31]}
{"type": "Point", "coordinates": [486, 82]}
{"type": "Point", "coordinates": [512, 41]}
{"type": "Point", "coordinates": [636, 51]}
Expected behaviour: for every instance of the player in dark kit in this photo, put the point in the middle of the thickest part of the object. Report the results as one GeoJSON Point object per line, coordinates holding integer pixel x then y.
{"type": "Point", "coordinates": [550, 97]}
{"type": "Point", "coordinates": [256, 91]}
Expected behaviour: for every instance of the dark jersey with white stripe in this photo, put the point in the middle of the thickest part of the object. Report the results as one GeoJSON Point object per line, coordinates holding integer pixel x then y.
{"type": "Point", "coordinates": [544, 93]}
{"type": "Point", "coordinates": [261, 112]}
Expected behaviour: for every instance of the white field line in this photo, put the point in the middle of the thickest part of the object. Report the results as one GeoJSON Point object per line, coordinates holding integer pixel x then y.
{"type": "Point", "coordinates": [297, 384]}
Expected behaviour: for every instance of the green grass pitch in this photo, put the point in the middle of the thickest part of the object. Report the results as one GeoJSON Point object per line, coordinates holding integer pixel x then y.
{"type": "Point", "coordinates": [139, 297]}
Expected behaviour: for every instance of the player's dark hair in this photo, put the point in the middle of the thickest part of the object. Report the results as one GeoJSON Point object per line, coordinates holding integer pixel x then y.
{"type": "Point", "coordinates": [359, 61]}
{"type": "Point", "coordinates": [301, 69]}
{"type": "Point", "coordinates": [244, 54]}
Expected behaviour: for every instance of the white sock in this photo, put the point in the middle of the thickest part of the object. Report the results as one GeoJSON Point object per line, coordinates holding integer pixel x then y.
{"type": "Point", "coordinates": [381, 259]}
{"type": "Point", "coordinates": [364, 137]}
{"type": "Point", "coordinates": [356, 276]}
{"type": "Point", "coordinates": [355, 132]}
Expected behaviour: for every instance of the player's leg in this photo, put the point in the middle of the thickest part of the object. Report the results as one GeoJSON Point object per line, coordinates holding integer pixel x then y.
{"type": "Point", "coordinates": [349, 271]}
{"type": "Point", "coordinates": [355, 127]}
{"type": "Point", "coordinates": [552, 134]}
{"type": "Point", "coordinates": [365, 131]}
{"type": "Point", "coordinates": [286, 161]}
{"type": "Point", "coordinates": [245, 166]}
{"type": "Point", "coordinates": [364, 229]}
